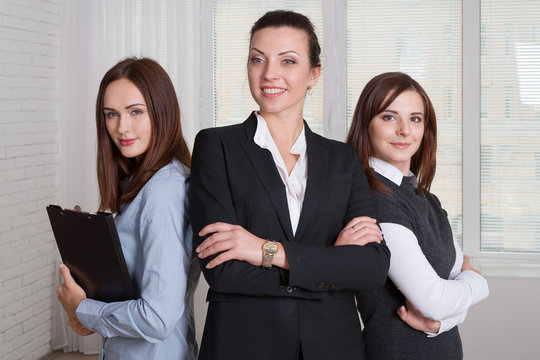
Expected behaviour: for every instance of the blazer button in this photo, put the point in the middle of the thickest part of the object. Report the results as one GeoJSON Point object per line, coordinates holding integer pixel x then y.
{"type": "Point", "coordinates": [321, 285]}
{"type": "Point", "coordinates": [332, 286]}
{"type": "Point", "coordinates": [282, 288]}
{"type": "Point", "coordinates": [289, 289]}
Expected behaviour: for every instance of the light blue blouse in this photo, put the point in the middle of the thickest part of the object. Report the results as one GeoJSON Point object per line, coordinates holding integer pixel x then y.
{"type": "Point", "coordinates": [156, 237]}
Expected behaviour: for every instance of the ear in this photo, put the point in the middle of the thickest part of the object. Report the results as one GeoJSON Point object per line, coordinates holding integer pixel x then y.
{"type": "Point", "coordinates": [314, 76]}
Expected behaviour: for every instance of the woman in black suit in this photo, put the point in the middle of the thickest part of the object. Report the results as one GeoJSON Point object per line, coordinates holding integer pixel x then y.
{"type": "Point", "coordinates": [269, 198]}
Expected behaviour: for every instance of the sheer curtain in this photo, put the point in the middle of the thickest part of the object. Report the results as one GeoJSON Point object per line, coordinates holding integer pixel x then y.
{"type": "Point", "coordinates": [94, 36]}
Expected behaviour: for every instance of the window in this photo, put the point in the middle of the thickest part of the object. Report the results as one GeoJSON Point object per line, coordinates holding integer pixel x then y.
{"type": "Point", "coordinates": [479, 61]}
{"type": "Point", "coordinates": [510, 126]}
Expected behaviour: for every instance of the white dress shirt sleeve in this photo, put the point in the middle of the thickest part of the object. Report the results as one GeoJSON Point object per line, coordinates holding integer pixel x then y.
{"type": "Point", "coordinates": [444, 300]}
{"type": "Point", "coordinates": [166, 252]}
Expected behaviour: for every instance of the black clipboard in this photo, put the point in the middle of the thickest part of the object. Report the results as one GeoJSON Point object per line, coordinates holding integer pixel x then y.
{"type": "Point", "coordinates": [90, 248]}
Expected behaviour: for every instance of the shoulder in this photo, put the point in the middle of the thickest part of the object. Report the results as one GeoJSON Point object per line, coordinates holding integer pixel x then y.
{"type": "Point", "coordinates": [212, 139]}
{"type": "Point", "coordinates": [334, 147]}
{"type": "Point", "coordinates": [435, 203]}
{"type": "Point", "coordinates": [220, 131]}
{"type": "Point", "coordinates": [169, 182]}
{"type": "Point", "coordinates": [391, 208]}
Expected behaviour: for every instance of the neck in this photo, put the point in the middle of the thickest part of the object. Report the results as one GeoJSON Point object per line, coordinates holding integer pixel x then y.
{"type": "Point", "coordinates": [284, 129]}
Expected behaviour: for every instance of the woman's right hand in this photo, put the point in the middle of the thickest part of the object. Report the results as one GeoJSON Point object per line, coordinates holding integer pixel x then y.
{"type": "Point", "coordinates": [70, 295]}
{"type": "Point", "coordinates": [360, 231]}
{"type": "Point", "coordinates": [412, 317]}
{"type": "Point", "coordinates": [467, 264]}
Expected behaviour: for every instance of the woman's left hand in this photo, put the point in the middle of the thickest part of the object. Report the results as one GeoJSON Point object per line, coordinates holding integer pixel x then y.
{"type": "Point", "coordinates": [412, 317]}
{"type": "Point", "coordinates": [232, 241]}
{"type": "Point", "coordinates": [361, 230]}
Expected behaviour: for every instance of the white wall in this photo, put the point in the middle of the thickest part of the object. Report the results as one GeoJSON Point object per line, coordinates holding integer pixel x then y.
{"type": "Point", "coordinates": [505, 325]}
{"type": "Point", "coordinates": [29, 162]}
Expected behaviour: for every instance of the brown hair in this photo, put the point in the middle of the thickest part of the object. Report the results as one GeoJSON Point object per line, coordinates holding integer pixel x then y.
{"type": "Point", "coordinates": [166, 141]}
{"type": "Point", "coordinates": [280, 18]}
{"type": "Point", "coordinates": [372, 102]}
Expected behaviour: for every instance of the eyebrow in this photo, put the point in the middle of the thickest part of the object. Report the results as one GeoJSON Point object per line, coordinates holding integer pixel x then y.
{"type": "Point", "coordinates": [280, 54]}
{"type": "Point", "coordinates": [395, 112]}
{"type": "Point", "coordinates": [127, 107]}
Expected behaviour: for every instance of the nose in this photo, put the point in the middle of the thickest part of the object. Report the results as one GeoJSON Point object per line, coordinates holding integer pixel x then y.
{"type": "Point", "coordinates": [124, 124]}
{"type": "Point", "coordinates": [403, 127]}
{"type": "Point", "coordinates": [271, 71]}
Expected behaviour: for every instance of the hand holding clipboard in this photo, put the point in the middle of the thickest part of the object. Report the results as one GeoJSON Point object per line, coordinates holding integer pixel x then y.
{"type": "Point", "coordinates": [90, 248]}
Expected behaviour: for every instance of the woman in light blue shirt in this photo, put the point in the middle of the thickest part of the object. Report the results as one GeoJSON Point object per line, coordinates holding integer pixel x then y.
{"type": "Point", "coordinates": [143, 168]}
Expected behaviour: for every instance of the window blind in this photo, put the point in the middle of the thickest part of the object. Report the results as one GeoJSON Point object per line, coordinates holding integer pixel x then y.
{"type": "Point", "coordinates": [510, 126]}
{"type": "Point", "coordinates": [232, 23]}
{"type": "Point", "coordinates": [422, 39]}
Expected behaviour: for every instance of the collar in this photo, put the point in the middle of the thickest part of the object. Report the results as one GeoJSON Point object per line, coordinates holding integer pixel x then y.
{"type": "Point", "coordinates": [389, 171]}
{"type": "Point", "coordinates": [264, 139]}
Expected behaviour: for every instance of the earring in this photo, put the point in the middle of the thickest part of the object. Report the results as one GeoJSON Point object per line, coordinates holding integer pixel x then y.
{"type": "Point", "coordinates": [309, 90]}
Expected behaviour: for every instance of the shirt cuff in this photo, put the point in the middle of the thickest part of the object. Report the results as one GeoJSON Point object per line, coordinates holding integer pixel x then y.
{"type": "Point", "coordinates": [478, 284]}
{"type": "Point", "coordinates": [88, 313]}
{"type": "Point", "coordinates": [449, 323]}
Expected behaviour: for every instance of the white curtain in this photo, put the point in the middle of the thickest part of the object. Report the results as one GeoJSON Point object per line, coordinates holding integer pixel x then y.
{"type": "Point", "coordinates": [95, 35]}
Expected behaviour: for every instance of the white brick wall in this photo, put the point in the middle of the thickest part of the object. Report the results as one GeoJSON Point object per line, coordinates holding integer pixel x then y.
{"type": "Point", "coordinates": [29, 164]}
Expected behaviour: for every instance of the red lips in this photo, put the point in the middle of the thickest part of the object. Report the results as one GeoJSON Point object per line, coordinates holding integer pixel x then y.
{"type": "Point", "coordinates": [127, 142]}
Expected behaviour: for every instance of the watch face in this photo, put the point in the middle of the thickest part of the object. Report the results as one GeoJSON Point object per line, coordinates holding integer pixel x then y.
{"type": "Point", "coordinates": [270, 247]}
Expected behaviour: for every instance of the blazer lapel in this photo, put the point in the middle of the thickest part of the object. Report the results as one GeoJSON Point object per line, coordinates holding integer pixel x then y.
{"type": "Point", "coordinates": [317, 174]}
{"type": "Point", "coordinates": [261, 159]}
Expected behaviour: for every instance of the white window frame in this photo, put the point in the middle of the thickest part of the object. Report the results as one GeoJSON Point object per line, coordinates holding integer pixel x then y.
{"type": "Point", "coordinates": [335, 122]}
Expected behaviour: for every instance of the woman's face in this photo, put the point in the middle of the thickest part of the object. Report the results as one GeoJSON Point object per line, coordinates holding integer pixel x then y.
{"type": "Point", "coordinates": [126, 118]}
{"type": "Point", "coordinates": [396, 133]}
{"type": "Point", "coordinates": [279, 70]}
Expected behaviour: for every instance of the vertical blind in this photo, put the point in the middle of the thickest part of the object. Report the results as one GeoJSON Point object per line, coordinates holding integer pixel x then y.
{"type": "Point", "coordinates": [232, 23]}
{"type": "Point", "coordinates": [510, 126]}
{"type": "Point", "coordinates": [422, 39]}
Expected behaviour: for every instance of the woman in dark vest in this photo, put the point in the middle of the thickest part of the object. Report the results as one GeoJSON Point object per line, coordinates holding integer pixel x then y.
{"type": "Point", "coordinates": [431, 285]}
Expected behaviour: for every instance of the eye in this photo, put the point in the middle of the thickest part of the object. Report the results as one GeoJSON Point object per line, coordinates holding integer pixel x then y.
{"type": "Point", "coordinates": [255, 60]}
{"type": "Point", "coordinates": [388, 117]}
{"type": "Point", "coordinates": [416, 119]}
{"type": "Point", "coordinates": [289, 62]}
{"type": "Point", "coordinates": [111, 114]}
{"type": "Point", "coordinates": [135, 112]}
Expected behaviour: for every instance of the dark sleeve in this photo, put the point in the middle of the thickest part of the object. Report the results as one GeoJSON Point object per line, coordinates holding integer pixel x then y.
{"type": "Point", "coordinates": [211, 201]}
{"type": "Point", "coordinates": [349, 267]}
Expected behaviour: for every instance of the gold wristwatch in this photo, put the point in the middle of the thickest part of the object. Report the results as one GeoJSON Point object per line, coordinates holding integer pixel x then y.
{"type": "Point", "coordinates": [269, 249]}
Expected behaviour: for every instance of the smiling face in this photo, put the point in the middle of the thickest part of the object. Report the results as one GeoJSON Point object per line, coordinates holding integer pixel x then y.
{"type": "Point", "coordinates": [396, 133]}
{"type": "Point", "coordinates": [279, 70]}
{"type": "Point", "coordinates": [126, 118]}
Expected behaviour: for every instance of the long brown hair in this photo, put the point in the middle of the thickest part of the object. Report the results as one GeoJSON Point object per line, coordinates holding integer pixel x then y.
{"type": "Point", "coordinates": [166, 141]}
{"type": "Point", "coordinates": [377, 95]}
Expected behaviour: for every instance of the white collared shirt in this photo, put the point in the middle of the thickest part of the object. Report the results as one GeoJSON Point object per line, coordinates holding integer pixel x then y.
{"type": "Point", "coordinates": [295, 183]}
{"type": "Point", "coordinates": [444, 300]}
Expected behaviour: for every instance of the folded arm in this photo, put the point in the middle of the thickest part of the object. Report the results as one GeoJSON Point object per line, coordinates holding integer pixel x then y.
{"type": "Point", "coordinates": [434, 297]}
{"type": "Point", "coordinates": [308, 267]}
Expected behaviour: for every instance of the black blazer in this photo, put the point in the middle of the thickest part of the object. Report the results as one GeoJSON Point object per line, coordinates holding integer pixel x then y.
{"type": "Point", "coordinates": [257, 313]}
